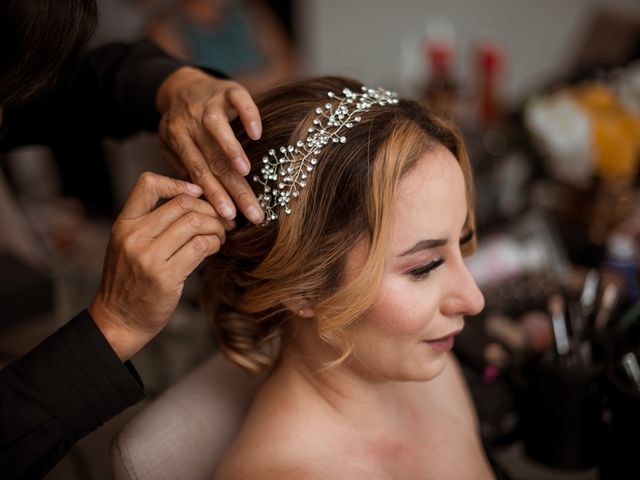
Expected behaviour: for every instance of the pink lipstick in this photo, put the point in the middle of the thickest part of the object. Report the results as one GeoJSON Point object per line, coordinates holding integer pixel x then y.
{"type": "Point", "coordinates": [443, 344]}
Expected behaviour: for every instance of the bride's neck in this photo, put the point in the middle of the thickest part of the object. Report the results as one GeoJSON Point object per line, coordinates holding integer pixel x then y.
{"type": "Point", "coordinates": [348, 389]}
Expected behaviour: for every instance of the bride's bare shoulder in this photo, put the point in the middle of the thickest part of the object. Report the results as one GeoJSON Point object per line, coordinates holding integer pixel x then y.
{"type": "Point", "coordinates": [277, 440]}
{"type": "Point", "coordinates": [271, 455]}
{"type": "Point", "coordinates": [267, 470]}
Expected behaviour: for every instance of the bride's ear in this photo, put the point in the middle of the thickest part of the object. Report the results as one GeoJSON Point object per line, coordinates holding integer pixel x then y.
{"type": "Point", "coordinates": [300, 307]}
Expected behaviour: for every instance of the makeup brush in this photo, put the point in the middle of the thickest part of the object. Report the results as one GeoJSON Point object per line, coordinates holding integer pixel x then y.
{"type": "Point", "coordinates": [631, 367]}
{"type": "Point", "coordinates": [609, 300]}
{"type": "Point", "coordinates": [587, 301]}
{"type": "Point", "coordinates": [558, 322]}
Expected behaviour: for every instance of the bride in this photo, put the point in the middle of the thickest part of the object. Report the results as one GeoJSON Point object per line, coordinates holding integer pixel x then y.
{"type": "Point", "coordinates": [352, 291]}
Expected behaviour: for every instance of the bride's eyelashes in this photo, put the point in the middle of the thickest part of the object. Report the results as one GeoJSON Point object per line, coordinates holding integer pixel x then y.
{"type": "Point", "coordinates": [467, 237]}
{"type": "Point", "coordinates": [424, 271]}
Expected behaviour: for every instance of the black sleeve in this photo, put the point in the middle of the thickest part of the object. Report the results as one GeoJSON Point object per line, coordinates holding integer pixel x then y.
{"type": "Point", "coordinates": [63, 389]}
{"type": "Point", "coordinates": [108, 91]}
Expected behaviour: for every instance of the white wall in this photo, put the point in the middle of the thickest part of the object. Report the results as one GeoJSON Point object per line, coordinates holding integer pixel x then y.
{"type": "Point", "coordinates": [377, 40]}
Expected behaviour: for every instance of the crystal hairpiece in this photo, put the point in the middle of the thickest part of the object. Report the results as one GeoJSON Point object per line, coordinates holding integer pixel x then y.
{"type": "Point", "coordinates": [285, 172]}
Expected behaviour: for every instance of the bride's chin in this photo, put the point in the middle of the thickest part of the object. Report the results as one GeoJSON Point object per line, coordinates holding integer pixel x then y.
{"type": "Point", "coordinates": [425, 371]}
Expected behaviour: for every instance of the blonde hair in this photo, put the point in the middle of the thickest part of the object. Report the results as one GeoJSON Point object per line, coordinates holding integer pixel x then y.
{"type": "Point", "coordinates": [347, 198]}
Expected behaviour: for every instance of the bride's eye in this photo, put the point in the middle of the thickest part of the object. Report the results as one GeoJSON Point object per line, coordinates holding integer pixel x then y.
{"type": "Point", "coordinates": [423, 271]}
{"type": "Point", "coordinates": [467, 245]}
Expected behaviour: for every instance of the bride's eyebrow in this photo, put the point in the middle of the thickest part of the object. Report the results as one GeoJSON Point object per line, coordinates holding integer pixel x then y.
{"type": "Point", "coordinates": [438, 242]}
{"type": "Point", "coordinates": [425, 245]}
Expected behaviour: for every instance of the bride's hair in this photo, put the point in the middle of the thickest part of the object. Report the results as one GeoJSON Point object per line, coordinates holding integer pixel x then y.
{"type": "Point", "coordinates": [348, 197]}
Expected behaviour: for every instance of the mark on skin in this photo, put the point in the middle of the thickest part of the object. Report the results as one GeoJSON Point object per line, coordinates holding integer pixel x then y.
{"type": "Point", "coordinates": [385, 449]}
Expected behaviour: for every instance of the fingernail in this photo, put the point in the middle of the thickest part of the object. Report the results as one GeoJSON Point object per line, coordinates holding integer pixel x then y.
{"type": "Point", "coordinates": [243, 165]}
{"type": "Point", "coordinates": [255, 130]}
{"type": "Point", "coordinates": [226, 211]}
{"type": "Point", "coordinates": [195, 189]}
{"type": "Point", "coordinates": [254, 214]}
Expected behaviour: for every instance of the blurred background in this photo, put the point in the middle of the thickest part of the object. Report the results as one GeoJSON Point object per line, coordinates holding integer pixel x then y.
{"type": "Point", "coordinates": [547, 94]}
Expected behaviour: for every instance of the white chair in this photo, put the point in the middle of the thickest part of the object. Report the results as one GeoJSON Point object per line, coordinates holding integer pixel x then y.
{"type": "Point", "coordinates": [183, 433]}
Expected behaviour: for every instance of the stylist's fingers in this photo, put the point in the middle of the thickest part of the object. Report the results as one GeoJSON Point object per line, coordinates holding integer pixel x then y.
{"type": "Point", "coordinates": [150, 188]}
{"type": "Point", "coordinates": [191, 254]}
{"type": "Point", "coordinates": [216, 122]}
{"type": "Point", "coordinates": [190, 225]}
{"type": "Point", "coordinates": [239, 98]}
{"type": "Point", "coordinates": [165, 215]}
{"type": "Point", "coordinates": [173, 161]}
{"type": "Point", "coordinates": [201, 174]}
{"type": "Point", "coordinates": [235, 185]}
{"type": "Point", "coordinates": [238, 188]}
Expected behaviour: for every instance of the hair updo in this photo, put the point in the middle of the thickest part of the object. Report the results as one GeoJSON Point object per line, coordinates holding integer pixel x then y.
{"type": "Point", "coordinates": [346, 199]}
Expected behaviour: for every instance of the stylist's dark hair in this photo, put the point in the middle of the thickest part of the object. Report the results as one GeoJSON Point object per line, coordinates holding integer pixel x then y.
{"type": "Point", "coordinates": [37, 39]}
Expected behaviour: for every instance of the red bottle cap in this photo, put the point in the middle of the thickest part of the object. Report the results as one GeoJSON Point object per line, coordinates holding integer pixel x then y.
{"type": "Point", "coordinates": [490, 57]}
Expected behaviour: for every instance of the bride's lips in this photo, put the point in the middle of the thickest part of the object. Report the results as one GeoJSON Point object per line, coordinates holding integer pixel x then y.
{"type": "Point", "coordinates": [443, 344]}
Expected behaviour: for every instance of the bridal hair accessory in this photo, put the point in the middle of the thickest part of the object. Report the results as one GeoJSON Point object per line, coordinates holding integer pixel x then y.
{"type": "Point", "coordinates": [284, 172]}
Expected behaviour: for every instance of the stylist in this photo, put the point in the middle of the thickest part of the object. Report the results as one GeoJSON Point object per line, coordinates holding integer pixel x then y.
{"type": "Point", "coordinates": [80, 376]}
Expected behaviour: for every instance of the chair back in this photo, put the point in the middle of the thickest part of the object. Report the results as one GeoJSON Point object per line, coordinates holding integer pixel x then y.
{"type": "Point", "coordinates": [184, 432]}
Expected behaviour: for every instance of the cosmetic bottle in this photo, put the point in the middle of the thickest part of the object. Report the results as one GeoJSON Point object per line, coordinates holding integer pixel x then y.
{"type": "Point", "coordinates": [620, 261]}
{"type": "Point", "coordinates": [441, 88]}
{"type": "Point", "coordinates": [490, 62]}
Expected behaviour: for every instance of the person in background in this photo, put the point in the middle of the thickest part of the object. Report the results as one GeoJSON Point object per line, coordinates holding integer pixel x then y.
{"type": "Point", "coordinates": [49, 90]}
{"type": "Point", "coordinates": [241, 37]}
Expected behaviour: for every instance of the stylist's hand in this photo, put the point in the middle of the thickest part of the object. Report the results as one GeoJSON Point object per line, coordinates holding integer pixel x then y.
{"type": "Point", "coordinates": [151, 253]}
{"type": "Point", "coordinates": [198, 142]}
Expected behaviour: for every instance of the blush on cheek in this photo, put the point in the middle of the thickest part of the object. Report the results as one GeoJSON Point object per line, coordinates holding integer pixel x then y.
{"type": "Point", "coordinates": [395, 313]}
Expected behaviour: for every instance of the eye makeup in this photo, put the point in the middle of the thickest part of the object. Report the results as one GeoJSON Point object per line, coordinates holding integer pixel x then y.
{"type": "Point", "coordinates": [423, 272]}
{"type": "Point", "coordinates": [467, 237]}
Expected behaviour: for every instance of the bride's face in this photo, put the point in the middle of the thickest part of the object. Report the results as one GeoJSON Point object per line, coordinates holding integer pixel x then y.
{"type": "Point", "coordinates": [426, 289]}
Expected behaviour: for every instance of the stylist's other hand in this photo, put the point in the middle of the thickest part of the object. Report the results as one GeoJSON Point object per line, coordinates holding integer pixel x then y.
{"type": "Point", "coordinates": [150, 254]}
{"type": "Point", "coordinates": [198, 143]}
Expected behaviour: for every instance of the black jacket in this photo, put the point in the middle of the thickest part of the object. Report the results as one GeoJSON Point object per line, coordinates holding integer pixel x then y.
{"type": "Point", "coordinates": [107, 92]}
{"type": "Point", "coordinates": [63, 389]}
{"type": "Point", "coordinates": [73, 382]}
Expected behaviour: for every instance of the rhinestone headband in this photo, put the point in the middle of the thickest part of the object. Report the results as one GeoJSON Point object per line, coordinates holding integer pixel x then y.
{"type": "Point", "coordinates": [285, 172]}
